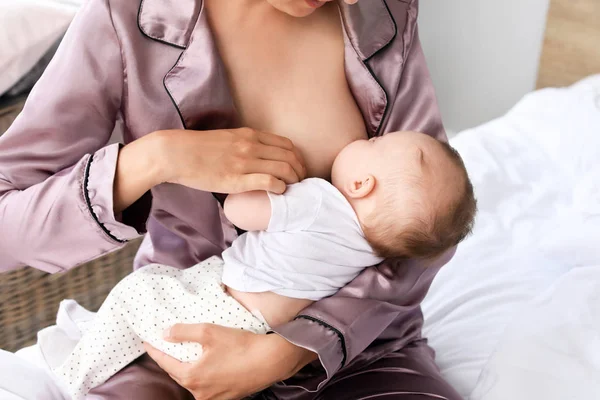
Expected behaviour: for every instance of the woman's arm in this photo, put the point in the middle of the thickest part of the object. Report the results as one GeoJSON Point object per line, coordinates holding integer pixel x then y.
{"type": "Point", "coordinates": [66, 197]}
{"type": "Point", "coordinates": [237, 161]}
{"type": "Point", "coordinates": [56, 176]}
{"type": "Point", "coordinates": [138, 170]}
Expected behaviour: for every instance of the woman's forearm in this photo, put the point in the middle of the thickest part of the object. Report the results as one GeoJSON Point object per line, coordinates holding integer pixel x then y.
{"type": "Point", "coordinates": [139, 169]}
{"type": "Point", "coordinates": [298, 356]}
{"type": "Point", "coordinates": [221, 161]}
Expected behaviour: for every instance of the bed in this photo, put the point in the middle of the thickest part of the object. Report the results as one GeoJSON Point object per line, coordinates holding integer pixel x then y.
{"type": "Point", "coordinates": [516, 313]}
{"type": "Point", "coordinates": [521, 296]}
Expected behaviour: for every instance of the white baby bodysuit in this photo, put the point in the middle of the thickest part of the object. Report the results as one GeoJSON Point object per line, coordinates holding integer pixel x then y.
{"type": "Point", "coordinates": [314, 246]}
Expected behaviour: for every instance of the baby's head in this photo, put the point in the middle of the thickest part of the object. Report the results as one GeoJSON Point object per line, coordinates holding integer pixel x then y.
{"type": "Point", "coordinates": [411, 193]}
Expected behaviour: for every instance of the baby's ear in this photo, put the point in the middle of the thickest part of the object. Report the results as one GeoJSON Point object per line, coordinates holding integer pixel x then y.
{"type": "Point", "coordinates": [359, 188]}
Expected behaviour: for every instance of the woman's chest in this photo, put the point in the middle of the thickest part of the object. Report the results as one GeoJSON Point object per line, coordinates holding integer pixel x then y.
{"type": "Point", "coordinates": [314, 109]}
{"type": "Point", "coordinates": [291, 81]}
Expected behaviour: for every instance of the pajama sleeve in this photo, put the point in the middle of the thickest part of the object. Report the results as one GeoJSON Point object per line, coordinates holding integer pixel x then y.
{"type": "Point", "coordinates": [56, 170]}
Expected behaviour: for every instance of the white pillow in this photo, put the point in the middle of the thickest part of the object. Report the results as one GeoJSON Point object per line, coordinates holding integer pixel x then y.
{"type": "Point", "coordinates": [28, 28]}
{"type": "Point", "coordinates": [537, 179]}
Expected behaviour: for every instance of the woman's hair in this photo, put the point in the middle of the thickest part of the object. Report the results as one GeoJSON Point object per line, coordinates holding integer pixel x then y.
{"type": "Point", "coordinates": [440, 225]}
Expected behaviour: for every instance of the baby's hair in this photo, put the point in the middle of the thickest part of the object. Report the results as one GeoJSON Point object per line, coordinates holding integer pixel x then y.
{"type": "Point", "coordinates": [427, 237]}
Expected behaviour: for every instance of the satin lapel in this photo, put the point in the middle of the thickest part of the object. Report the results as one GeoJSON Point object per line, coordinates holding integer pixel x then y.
{"type": "Point", "coordinates": [369, 25]}
{"type": "Point", "coordinates": [368, 28]}
{"type": "Point", "coordinates": [169, 21]}
{"type": "Point", "coordinates": [197, 83]}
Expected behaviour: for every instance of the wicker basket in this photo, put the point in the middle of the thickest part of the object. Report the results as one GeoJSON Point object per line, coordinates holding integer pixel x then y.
{"type": "Point", "coordinates": [29, 298]}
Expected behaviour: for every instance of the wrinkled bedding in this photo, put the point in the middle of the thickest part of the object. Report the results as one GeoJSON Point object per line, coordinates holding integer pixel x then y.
{"type": "Point", "coordinates": [515, 302]}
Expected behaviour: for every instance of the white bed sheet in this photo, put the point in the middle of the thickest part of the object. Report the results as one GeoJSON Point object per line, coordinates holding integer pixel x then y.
{"type": "Point", "coordinates": [536, 173]}
{"type": "Point", "coordinates": [551, 349]}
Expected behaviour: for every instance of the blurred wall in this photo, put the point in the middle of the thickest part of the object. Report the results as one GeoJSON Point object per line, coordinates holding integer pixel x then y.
{"type": "Point", "coordinates": [483, 55]}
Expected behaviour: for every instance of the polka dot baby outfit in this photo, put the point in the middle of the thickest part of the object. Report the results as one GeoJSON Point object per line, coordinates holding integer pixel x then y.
{"type": "Point", "coordinates": [139, 309]}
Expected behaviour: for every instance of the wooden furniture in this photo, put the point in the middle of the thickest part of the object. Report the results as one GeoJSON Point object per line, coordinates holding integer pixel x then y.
{"type": "Point", "coordinates": [572, 43]}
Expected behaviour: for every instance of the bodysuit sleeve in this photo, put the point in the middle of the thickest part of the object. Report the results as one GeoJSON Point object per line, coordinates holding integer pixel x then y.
{"type": "Point", "coordinates": [297, 208]}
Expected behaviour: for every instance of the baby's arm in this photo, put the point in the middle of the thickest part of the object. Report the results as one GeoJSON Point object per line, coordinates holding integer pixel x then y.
{"type": "Point", "coordinates": [250, 211]}
{"type": "Point", "coordinates": [295, 210]}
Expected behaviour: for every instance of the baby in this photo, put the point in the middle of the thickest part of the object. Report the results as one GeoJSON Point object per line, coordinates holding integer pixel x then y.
{"type": "Point", "coordinates": [402, 195]}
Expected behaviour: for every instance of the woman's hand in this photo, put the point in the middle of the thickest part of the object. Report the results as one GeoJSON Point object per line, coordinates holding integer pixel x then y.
{"type": "Point", "coordinates": [229, 160]}
{"type": "Point", "coordinates": [234, 363]}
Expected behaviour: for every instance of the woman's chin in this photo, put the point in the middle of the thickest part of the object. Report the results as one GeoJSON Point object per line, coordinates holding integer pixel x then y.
{"type": "Point", "coordinates": [296, 8]}
{"type": "Point", "coordinates": [299, 13]}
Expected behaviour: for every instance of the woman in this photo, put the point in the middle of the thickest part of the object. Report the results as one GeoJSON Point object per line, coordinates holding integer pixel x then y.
{"type": "Point", "coordinates": [194, 85]}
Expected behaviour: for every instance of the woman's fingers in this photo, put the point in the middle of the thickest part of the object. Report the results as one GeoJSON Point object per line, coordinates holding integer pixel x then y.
{"type": "Point", "coordinates": [179, 371]}
{"type": "Point", "coordinates": [267, 153]}
{"type": "Point", "coordinates": [272, 153]}
{"type": "Point", "coordinates": [199, 333]}
{"type": "Point", "coordinates": [278, 169]}
{"type": "Point", "coordinates": [269, 183]}
{"type": "Point", "coordinates": [271, 139]}
{"type": "Point", "coordinates": [231, 161]}
{"type": "Point", "coordinates": [165, 361]}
